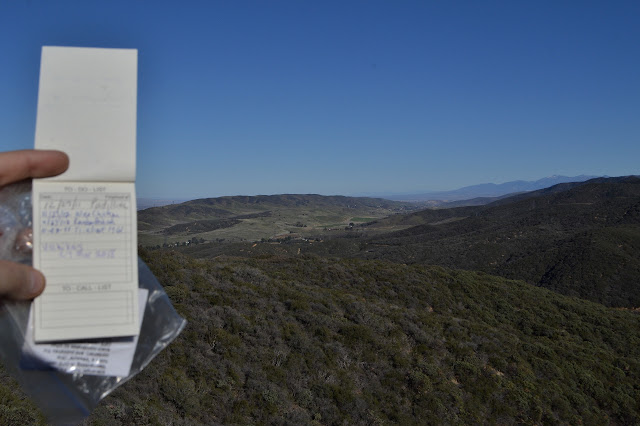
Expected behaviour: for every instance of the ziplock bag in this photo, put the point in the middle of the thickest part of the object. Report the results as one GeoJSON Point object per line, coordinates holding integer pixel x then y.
{"type": "Point", "coordinates": [69, 390]}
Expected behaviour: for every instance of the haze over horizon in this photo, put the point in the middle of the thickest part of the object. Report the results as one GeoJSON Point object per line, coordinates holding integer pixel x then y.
{"type": "Point", "coordinates": [350, 98]}
{"type": "Point", "coordinates": [398, 195]}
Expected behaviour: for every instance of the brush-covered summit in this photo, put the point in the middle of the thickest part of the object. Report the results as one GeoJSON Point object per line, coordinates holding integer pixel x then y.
{"type": "Point", "coordinates": [309, 340]}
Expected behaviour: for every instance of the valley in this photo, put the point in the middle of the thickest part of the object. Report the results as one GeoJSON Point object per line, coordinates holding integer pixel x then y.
{"type": "Point", "coordinates": [579, 239]}
{"type": "Point", "coordinates": [275, 217]}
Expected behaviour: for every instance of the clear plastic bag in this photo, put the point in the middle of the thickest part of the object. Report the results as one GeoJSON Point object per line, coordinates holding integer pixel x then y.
{"type": "Point", "coordinates": [67, 398]}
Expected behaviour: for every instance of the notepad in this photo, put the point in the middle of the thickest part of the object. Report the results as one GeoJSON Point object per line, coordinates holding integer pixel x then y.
{"type": "Point", "coordinates": [84, 221]}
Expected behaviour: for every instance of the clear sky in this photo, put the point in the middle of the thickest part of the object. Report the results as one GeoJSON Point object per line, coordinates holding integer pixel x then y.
{"type": "Point", "coordinates": [350, 97]}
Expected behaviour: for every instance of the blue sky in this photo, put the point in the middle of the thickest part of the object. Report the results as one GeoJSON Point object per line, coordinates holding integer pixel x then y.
{"type": "Point", "coordinates": [350, 97]}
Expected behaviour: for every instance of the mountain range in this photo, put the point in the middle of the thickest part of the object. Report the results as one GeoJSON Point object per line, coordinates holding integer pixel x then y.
{"type": "Point", "coordinates": [489, 190]}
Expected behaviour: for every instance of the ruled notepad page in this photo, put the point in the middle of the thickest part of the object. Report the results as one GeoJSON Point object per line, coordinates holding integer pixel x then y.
{"type": "Point", "coordinates": [84, 221]}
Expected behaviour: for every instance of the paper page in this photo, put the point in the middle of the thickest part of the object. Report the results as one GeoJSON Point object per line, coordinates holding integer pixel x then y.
{"type": "Point", "coordinates": [85, 243]}
{"type": "Point", "coordinates": [85, 231]}
{"type": "Point", "coordinates": [110, 358]}
{"type": "Point", "coordinates": [87, 108]}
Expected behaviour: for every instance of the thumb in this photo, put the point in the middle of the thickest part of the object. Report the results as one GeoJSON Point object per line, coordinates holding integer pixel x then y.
{"type": "Point", "coordinates": [19, 282]}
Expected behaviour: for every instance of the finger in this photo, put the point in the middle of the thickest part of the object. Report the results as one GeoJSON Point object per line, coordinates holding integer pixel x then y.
{"type": "Point", "coordinates": [29, 163]}
{"type": "Point", "coordinates": [19, 282]}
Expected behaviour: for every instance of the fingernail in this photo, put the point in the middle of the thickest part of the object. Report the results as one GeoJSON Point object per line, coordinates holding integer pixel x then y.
{"type": "Point", "coordinates": [37, 282]}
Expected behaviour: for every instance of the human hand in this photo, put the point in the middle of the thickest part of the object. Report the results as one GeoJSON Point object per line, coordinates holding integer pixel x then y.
{"type": "Point", "coordinates": [17, 281]}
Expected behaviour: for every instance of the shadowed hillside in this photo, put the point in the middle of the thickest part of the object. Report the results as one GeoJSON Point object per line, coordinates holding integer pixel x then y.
{"type": "Point", "coordinates": [583, 241]}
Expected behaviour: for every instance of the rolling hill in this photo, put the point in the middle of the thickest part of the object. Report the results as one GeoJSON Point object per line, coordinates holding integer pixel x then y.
{"type": "Point", "coordinates": [253, 218]}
